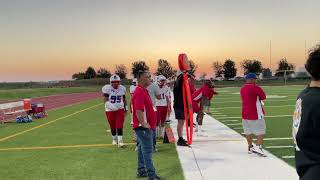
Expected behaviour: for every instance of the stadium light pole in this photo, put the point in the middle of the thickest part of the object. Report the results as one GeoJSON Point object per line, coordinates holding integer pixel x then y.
{"type": "Point", "coordinates": [270, 55]}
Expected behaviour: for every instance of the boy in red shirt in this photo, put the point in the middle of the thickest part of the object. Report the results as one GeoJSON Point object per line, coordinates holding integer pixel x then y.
{"type": "Point", "coordinates": [200, 98]}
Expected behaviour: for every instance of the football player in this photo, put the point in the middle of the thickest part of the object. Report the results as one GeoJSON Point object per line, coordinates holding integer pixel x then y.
{"type": "Point", "coordinates": [115, 106]}
{"type": "Point", "coordinates": [163, 104]}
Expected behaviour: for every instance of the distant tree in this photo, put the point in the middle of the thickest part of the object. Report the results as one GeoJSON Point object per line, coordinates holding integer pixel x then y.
{"type": "Point", "coordinates": [283, 65]}
{"type": "Point", "coordinates": [138, 66]}
{"type": "Point", "coordinates": [164, 68]}
{"type": "Point", "coordinates": [217, 68]}
{"type": "Point", "coordinates": [229, 69]}
{"type": "Point", "coordinates": [90, 73]}
{"type": "Point", "coordinates": [103, 73]}
{"type": "Point", "coordinates": [266, 73]}
{"type": "Point", "coordinates": [193, 67]}
{"type": "Point", "coordinates": [78, 76]}
{"type": "Point", "coordinates": [121, 71]}
{"type": "Point", "coordinates": [253, 66]}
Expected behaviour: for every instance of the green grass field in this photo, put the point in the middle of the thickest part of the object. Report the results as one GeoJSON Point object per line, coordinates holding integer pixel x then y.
{"type": "Point", "coordinates": [36, 92]}
{"type": "Point", "coordinates": [72, 143]}
{"type": "Point", "coordinates": [226, 107]}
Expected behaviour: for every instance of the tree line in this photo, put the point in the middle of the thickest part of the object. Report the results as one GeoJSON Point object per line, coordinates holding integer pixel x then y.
{"type": "Point", "coordinates": [164, 68]}
{"type": "Point", "coordinates": [227, 69]}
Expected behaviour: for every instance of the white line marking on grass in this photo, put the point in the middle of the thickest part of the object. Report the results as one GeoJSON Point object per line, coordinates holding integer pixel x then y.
{"type": "Point", "coordinates": [229, 120]}
{"type": "Point", "coordinates": [222, 115]}
{"type": "Point", "coordinates": [62, 147]}
{"type": "Point", "coordinates": [238, 128]}
{"type": "Point", "coordinates": [50, 122]}
{"type": "Point", "coordinates": [278, 147]}
{"type": "Point", "coordinates": [276, 100]}
{"type": "Point", "coordinates": [275, 96]}
{"type": "Point", "coordinates": [265, 117]}
{"type": "Point", "coordinates": [236, 107]}
{"type": "Point", "coordinates": [275, 139]}
{"type": "Point", "coordinates": [236, 124]}
{"type": "Point", "coordinates": [216, 113]}
{"type": "Point", "coordinates": [288, 157]}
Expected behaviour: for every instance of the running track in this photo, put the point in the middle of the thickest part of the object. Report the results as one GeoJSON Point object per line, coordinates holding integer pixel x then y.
{"type": "Point", "coordinates": [57, 101]}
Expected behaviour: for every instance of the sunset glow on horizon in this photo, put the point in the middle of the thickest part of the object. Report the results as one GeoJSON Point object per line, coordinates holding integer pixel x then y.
{"type": "Point", "coordinates": [51, 40]}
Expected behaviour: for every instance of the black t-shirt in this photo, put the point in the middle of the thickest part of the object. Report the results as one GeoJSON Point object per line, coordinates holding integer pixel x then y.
{"type": "Point", "coordinates": [306, 129]}
{"type": "Point", "coordinates": [177, 93]}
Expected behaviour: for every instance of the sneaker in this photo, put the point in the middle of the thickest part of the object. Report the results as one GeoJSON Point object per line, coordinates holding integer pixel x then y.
{"type": "Point", "coordinates": [120, 144]}
{"type": "Point", "coordinates": [259, 150]}
{"type": "Point", "coordinates": [155, 178]}
{"type": "Point", "coordinates": [250, 149]}
{"type": "Point", "coordinates": [201, 134]}
{"type": "Point", "coordinates": [142, 175]}
{"type": "Point", "coordinates": [182, 142]}
{"type": "Point", "coordinates": [114, 142]}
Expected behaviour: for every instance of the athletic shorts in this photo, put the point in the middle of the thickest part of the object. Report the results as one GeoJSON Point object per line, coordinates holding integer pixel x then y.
{"type": "Point", "coordinates": [116, 118]}
{"type": "Point", "coordinates": [256, 127]}
{"type": "Point", "coordinates": [162, 112]}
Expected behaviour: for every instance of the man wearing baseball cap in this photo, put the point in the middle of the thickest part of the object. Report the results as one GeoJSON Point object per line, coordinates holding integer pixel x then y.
{"type": "Point", "coordinates": [253, 113]}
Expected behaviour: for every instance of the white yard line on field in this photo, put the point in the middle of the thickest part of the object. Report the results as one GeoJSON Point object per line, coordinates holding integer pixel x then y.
{"type": "Point", "coordinates": [273, 100]}
{"type": "Point", "coordinates": [278, 147]}
{"type": "Point", "coordinates": [275, 139]}
{"type": "Point", "coordinates": [229, 120]}
{"type": "Point", "coordinates": [236, 107]}
{"type": "Point", "coordinates": [265, 117]}
{"type": "Point", "coordinates": [288, 157]}
{"type": "Point", "coordinates": [235, 124]}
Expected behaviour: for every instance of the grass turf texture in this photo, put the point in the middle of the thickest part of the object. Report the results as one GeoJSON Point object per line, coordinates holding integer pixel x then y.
{"type": "Point", "coordinates": [88, 127]}
{"type": "Point", "coordinates": [229, 103]}
{"type": "Point", "coordinates": [37, 92]}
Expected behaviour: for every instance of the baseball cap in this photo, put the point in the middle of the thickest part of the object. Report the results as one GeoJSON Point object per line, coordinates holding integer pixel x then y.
{"type": "Point", "coordinates": [251, 76]}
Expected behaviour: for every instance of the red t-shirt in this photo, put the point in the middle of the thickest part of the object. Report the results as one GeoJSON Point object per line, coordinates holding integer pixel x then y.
{"type": "Point", "coordinates": [252, 95]}
{"type": "Point", "coordinates": [142, 101]}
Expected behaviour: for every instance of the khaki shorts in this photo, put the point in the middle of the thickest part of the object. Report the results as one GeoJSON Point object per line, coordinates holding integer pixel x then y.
{"type": "Point", "coordinates": [256, 127]}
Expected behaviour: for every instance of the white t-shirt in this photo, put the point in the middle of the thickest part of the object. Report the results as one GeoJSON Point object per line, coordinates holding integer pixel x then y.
{"type": "Point", "coordinates": [164, 93]}
{"type": "Point", "coordinates": [115, 97]}
{"type": "Point", "coordinates": [154, 91]}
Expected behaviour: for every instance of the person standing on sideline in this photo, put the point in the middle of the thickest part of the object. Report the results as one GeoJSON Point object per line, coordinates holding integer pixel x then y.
{"type": "Point", "coordinates": [116, 107]}
{"type": "Point", "coordinates": [132, 88]}
{"type": "Point", "coordinates": [306, 123]}
{"type": "Point", "coordinates": [178, 104]}
{"type": "Point", "coordinates": [144, 120]}
{"type": "Point", "coordinates": [154, 93]}
{"type": "Point", "coordinates": [163, 105]}
{"type": "Point", "coordinates": [253, 113]}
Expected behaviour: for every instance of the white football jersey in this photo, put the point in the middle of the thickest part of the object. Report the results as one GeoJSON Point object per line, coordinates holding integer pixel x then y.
{"type": "Point", "coordinates": [132, 89]}
{"type": "Point", "coordinates": [164, 93]}
{"type": "Point", "coordinates": [116, 101]}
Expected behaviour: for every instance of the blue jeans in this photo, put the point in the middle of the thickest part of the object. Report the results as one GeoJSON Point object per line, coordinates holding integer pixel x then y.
{"type": "Point", "coordinates": [145, 150]}
{"type": "Point", "coordinates": [154, 138]}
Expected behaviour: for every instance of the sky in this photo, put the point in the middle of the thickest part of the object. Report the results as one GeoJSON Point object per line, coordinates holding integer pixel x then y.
{"type": "Point", "coordinates": [51, 40]}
